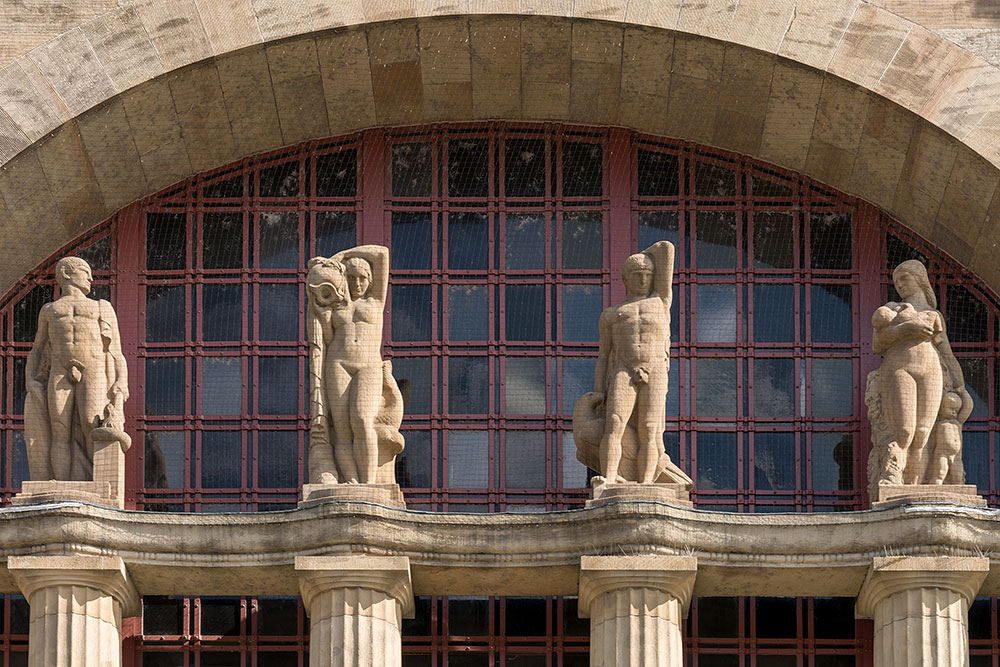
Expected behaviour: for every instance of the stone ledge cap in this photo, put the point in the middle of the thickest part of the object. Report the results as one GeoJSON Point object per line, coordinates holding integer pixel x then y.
{"type": "Point", "coordinates": [104, 573]}
{"type": "Point", "coordinates": [674, 575]}
{"type": "Point", "coordinates": [389, 574]}
{"type": "Point", "coordinates": [889, 575]}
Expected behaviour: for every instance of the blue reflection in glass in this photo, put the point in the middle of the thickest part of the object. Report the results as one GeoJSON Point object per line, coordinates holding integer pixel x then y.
{"type": "Point", "coordinates": [279, 240]}
{"type": "Point", "coordinates": [525, 241]}
{"type": "Point", "coordinates": [657, 226]}
{"type": "Point", "coordinates": [581, 311]}
{"type": "Point", "coordinates": [774, 461]}
{"type": "Point", "coordinates": [774, 387]}
{"type": "Point", "coordinates": [468, 312]}
{"type": "Point", "coordinates": [413, 464]}
{"type": "Point", "coordinates": [413, 375]}
{"type": "Point", "coordinates": [468, 459]}
{"type": "Point", "coordinates": [221, 386]}
{"type": "Point", "coordinates": [977, 372]}
{"type": "Point", "coordinates": [165, 386]}
{"type": "Point", "coordinates": [220, 459]}
{"type": "Point", "coordinates": [468, 385]}
{"type": "Point", "coordinates": [716, 313]}
{"type": "Point", "coordinates": [411, 312]}
{"type": "Point", "coordinates": [278, 386]}
{"type": "Point", "coordinates": [222, 312]}
{"type": "Point", "coordinates": [577, 380]}
{"type": "Point", "coordinates": [716, 453]}
{"type": "Point", "coordinates": [976, 457]}
{"type": "Point", "coordinates": [832, 461]}
{"type": "Point", "coordinates": [774, 313]}
{"type": "Point", "coordinates": [468, 241]}
{"type": "Point", "coordinates": [278, 459]}
{"type": "Point", "coordinates": [279, 312]}
{"type": "Point", "coordinates": [164, 459]}
{"type": "Point", "coordinates": [165, 308]}
{"type": "Point", "coordinates": [525, 312]}
{"type": "Point", "coordinates": [832, 321]}
{"type": "Point", "coordinates": [582, 245]}
{"type": "Point", "coordinates": [335, 231]}
{"type": "Point", "coordinates": [411, 240]}
{"type": "Point", "coordinates": [832, 388]}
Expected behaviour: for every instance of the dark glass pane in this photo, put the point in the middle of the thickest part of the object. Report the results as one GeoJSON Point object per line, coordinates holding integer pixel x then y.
{"type": "Point", "coordinates": [468, 616]}
{"type": "Point", "coordinates": [786, 660]}
{"type": "Point", "coordinates": [830, 240]}
{"type": "Point", "coordinates": [279, 386]}
{"type": "Point", "coordinates": [413, 465]}
{"type": "Point", "coordinates": [279, 312]}
{"type": "Point", "coordinates": [657, 226]}
{"type": "Point", "coordinates": [420, 624]}
{"type": "Point", "coordinates": [220, 463]}
{"type": "Point", "coordinates": [527, 660]}
{"type": "Point", "coordinates": [468, 241]}
{"type": "Point", "coordinates": [19, 391]}
{"type": "Point", "coordinates": [221, 386]}
{"type": "Point", "coordinates": [977, 373]}
{"type": "Point", "coordinates": [162, 616]}
{"type": "Point", "coordinates": [716, 388]}
{"type": "Point", "coordinates": [524, 167]}
{"type": "Point", "coordinates": [410, 660]}
{"type": "Point", "coordinates": [26, 312]}
{"type": "Point", "coordinates": [411, 312]}
{"type": "Point", "coordinates": [525, 461]}
{"type": "Point", "coordinates": [468, 385]}
{"type": "Point", "coordinates": [718, 660]}
{"type": "Point", "coordinates": [764, 187]}
{"type": "Point", "coordinates": [832, 388]}
{"type": "Point", "coordinates": [279, 659]}
{"type": "Point", "coordinates": [716, 461]}
{"type": "Point", "coordinates": [222, 312]}
{"type": "Point", "coordinates": [773, 240]}
{"type": "Point", "coordinates": [658, 174]}
{"type": "Point", "coordinates": [165, 310]}
{"type": "Point", "coordinates": [714, 180]}
{"type": "Point", "coordinates": [281, 180]}
{"type": "Point", "coordinates": [776, 618]}
{"type": "Point", "coordinates": [278, 616]}
{"type": "Point", "coordinates": [19, 615]}
{"type": "Point", "coordinates": [966, 315]}
{"type": "Point", "coordinates": [468, 459]}
{"type": "Point", "coordinates": [525, 312]}
{"type": "Point", "coordinates": [581, 311]}
{"type": "Point", "coordinates": [158, 659]}
{"type": "Point", "coordinates": [224, 189]}
{"type": "Point", "coordinates": [19, 465]}
{"type": "Point", "coordinates": [897, 252]}
{"type": "Point", "coordinates": [220, 616]}
{"type": "Point", "coordinates": [718, 617]}
{"type": "Point", "coordinates": [97, 254]}
{"type": "Point", "coordinates": [833, 461]}
{"type": "Point", "coordinates": [773, 313]}
{"type": "Point", "coordinates": [278, 459]}
{"type": "Point", "coordinates": [335, 231]}
{"type": "Point", "coordinates": [279, 240]}
{"type": "Point", "coordinates": [581, 240]}
{"type": "Point", "coordinates": [576, 660]}
{"type": "Point", "coordinates": [843, 661]}
{"type": "Point", "coordinates": [833, 618]}
{"type": "Point", "coordinates": [577, 380]}
{"type": "Point", "coordinates": [165, 386]}
{"type": "Point", "coordinates": [411, 169]}
{"type": "Point", "coordinates": [413, 376]}
{"type": "Point", "coordinates": [976, 457]}
{"type": "Point", "coordinates": [774, 461]}
{"type": "Point", "coordinates": [468, 312]}
{"type": "Point", "coordinates": [525, 241]}
{"type": "Point", "coordinates": [466, 659]}
{"type": "Point", "coordinates": [164, 460]}
{"type": "Point", "coordinates": [716, 320]}
{"type": "Point", "coordinates": [774, 387]}
{"type": "Point", "coordinates": [337, 174]}
{"type": "Point", "coordinates": [468, 167]}
{"type": "Point", "coordinates": [524, 385]}
{"type": "Point", "coordinates": [832, 321]}
{"type": "Point", "coordinates": [583, 169]}
{"type": "Point", "coordinates": [980, 619]}
{"type": "Point", "coordinates": [166, 241]}
{"type": "Point", "coordinates": [222, 240]}
{"type": "Point", "coordinates": [220, 659]}
{"type": "Point", "coordinates": [573, 625]}
{"type": "Point", "coordinates": [411, 240]}
{"type": "Point", "coordinates": [526, 617]}
{"type": "Point", "coordinates": [716, 240]}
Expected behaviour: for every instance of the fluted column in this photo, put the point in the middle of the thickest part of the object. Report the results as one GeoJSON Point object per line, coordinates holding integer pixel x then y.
{"type": "Point", "coordinates": [636, 605]}
{"type": "Point", "coordinates": [356, 605]}
{"type": "Point", "coordinates": [76, 606]}
{"type": "Point", "coordinates": [920, 606]}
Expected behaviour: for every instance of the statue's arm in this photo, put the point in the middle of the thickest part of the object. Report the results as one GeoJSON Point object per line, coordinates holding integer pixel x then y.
{"type": "Point", "coordinates": [36, 356]}
{"type": "Point", "coordinates": [120, 385]}
{"type": "Point", "coordinates": [314, 334]}
{"type": "Point", "coordinates": [954, 377]}
{"type": "Point", "coordinates": [662, 254]}
{"type": "Point", "coordinates": [378, 257]}
{"type": "Point", "coordinates": [887, 335]}
{"type": "Point", "coordinates": [604, 351]}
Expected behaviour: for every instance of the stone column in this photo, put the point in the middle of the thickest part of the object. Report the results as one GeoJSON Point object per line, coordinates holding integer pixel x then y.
{"type": "Point", "coordinates": [356, 605]}
{"type": "Point", "coordinates": [636, 605]}
{"type": "Point", "coordinates": [920, 605]}
{"type": "Point", "coordinates": [77, 604]}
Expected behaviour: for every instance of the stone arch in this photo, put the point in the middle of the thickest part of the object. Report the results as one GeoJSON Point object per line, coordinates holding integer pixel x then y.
{"type": "Point", "coordinates": [844, 91]}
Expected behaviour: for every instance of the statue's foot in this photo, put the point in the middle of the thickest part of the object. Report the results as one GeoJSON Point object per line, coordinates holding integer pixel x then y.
{"type": "Point", "coordinates": [620, 480]}
{"type": "Point", "coordinates": [327, 478]}
{"type": "Point", "coordinates": [596, 481]}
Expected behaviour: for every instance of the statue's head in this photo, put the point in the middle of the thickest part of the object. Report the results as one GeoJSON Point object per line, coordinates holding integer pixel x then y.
{"type": "Point", "coordinates": [910, 277]}
{"type": "Point", "coordinates": [637, 274]}
{"type": "Point", "coordinates": [359, 276]}
{"type": "Point", "coordinates": [326, 282]}
{"type": "Point", "coordinates": [73, 271]}
{"type": "Point", "coordinates": [951, 403]}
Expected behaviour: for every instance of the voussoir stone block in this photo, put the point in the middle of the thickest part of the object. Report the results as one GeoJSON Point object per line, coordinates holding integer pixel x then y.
{"type": "Point", "coordinates": [869, 45]}
{"type": "Point", "coordinates": [74, 71]}
{"type": "Point", "coordinates": [347, 80]}
{"type": "Point", "coordinates": [326, 14]}
{"type": "Point", "coordinates": [919, 68]}
{"type": "Point", "coordinates": [545, 69]}
{"type": "Point", "coordinates": [761, 24]}
{"type": "Point", "coordinates": [29, 100]}
{"type": "Point", "coordinates": [230, 25]}
{"type": "Point", "coordinates": [278, 19]}
{"type": "Point", "coordinates": [791, 115]}
{"type": "Point", "coordinates": [121, 43]}
{"type": "Point", "coordinates": [176, 30]}
{"type": "Point", "coordinates": [495, 45]}
{"type": "Point", "coordinates": [710, 18]}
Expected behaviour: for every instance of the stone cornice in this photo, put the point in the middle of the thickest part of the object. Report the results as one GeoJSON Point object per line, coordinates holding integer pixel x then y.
{"type": "Point", "coordinates": [388, 574]}
{"type": "Point", "coordinates": [674, 575]}
{"type": "Point", "coordinates": [104, 573]}
{"type": "Point", "coordinates": [891, 575]}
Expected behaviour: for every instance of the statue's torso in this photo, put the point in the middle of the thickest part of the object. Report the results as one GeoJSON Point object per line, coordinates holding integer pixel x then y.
{"type": "Point", "coordinates": [915, 352]}
{"type": "Point", "coordinates": [640, 331]}
{"type": "Point", "coordinates": [74, 331]}
{"type": "Point", "coordinates": [357, 334]}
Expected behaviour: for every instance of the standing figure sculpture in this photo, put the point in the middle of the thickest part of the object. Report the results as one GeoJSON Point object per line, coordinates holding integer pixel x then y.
{"type": "Point", "coordinates": [356, 405]}
{"type": "Point", "coordinates": [76, 378]}
{"type": "Point", "coordinates": [917, 398]}
{"type": "Point", "coordinates": [630, 381]}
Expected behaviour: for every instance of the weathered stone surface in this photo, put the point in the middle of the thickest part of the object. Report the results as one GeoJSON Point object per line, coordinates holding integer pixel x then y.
{"type": "Point", "coordinates": [230, 24]}
{"type": "Point", "coordinates": [29, 100]}
{"type": "Point", "coordinates": [446, 69]}
{"type": "Point", "coordinates": [67, 168]}
{"type": "Point", "coordinates": [396, 75]}
{"type": "Point", "coordinates": [347, 80]}
{"type": "Point", "coordinates": [176, 30]}
{"type": "Point", "coordinates": [251, 108]}
{"type": "Point", "coordinates": [869, 45]}
{"type": "Point", "coordinates": [71, 67]}
{"type": "Point", "coordinates": [120, 41]}
{"type": "Point", "coordinates": [791, 115]}
{"type": "Point", "coordinates": [762, 24]}
{"type": "Point", "coordinates": [495, 67]}
{"type": "Point", "coordinates": [298, 90]}
{"type": "Point", "coordinates": [156, 132]}
{"type": "Point", "coordinates": [545, 69]}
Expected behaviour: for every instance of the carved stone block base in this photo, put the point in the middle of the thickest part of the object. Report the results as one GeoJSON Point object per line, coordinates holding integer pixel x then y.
{"type": "Point", "coordinates": [898, 494]}
{"type": "Point", "coordinates": [54, 491]}
{"type": "Point", "coordinates": [672, 494]}
{"type": "Point", "coordinates": [380, 494]}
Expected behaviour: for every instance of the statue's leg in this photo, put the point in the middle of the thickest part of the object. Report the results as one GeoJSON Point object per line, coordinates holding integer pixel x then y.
{"type": "Point", "coordinates": [338, 386]}
{"type": "Point", "coordinates": [899, 404]}
{"type": "Point", "coordinates": [930, 390]}
{"type": "Point", "coordinates": [61, 392]}
{"type": "Point", "coordinates": [366, 397]}
{"type": "Point", "coordinates": [651, 406]}
{"type": "Point", "coordinates": [619, 402]}
{"type": "Point", "coordinates": [91, 402]}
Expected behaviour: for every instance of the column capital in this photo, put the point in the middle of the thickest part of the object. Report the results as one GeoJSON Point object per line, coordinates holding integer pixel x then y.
{"type": "Point", "coordinates": [674, 575]}
{"type": "Point", "coordinates": [104, 573]}
{"type": "Point", "coordinates": [894, 574]}
{"type": "Point", "coordinates": [389, 574]}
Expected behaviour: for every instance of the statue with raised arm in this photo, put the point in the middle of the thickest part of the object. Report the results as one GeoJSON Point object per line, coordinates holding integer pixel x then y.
{"type": "Point", "coordinates": [356, 405]}
{"type": "Point", "coordinates": [76, 379]}
{"type": "Point", "coordinates": [917, 400]}
{"type": "Point", "coordinates": [618, 428]}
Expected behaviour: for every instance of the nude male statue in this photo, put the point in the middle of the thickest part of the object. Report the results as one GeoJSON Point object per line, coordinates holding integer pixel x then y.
{"type": "Point", "coordinates": [76, 378]}
{"type": "Point", "coordinates": [633, 362]}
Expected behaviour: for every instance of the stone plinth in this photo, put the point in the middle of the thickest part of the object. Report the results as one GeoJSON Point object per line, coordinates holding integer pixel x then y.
{"type": "Point", "coordinates": [77, 605]}
{"type": "Point", "coordinates": [898, 494]}
{"type": "Point", "coordinates": [380, 494]}
{"type": "Point", "coordinates": [636, 605]}
{"type": "Point", "coordinates": [355, 605]}
{"type": "Point", "coordinates": [921, 608]}
{"type": "Point", "coordinates": [672, 494]}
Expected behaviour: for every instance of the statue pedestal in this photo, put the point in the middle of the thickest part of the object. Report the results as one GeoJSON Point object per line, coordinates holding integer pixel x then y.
{"type": "Point", "coordinates": [898, 494]}
{"type": "Point", "coordinates": [108, 487]}
{"type": "Point", "coordinates": [671, 494]}
{"type": "Point", "coordinates": [379, 494]}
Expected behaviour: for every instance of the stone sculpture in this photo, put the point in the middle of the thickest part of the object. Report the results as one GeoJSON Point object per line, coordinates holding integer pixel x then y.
{"type": "Point", "coordinates": [618, 428]}
{"type": "Point", "coordinates": [356, 405]}
{"type": "Point", "coordinates": [76, 379]}
{"type": "Point", "coordinates": [917, 401]}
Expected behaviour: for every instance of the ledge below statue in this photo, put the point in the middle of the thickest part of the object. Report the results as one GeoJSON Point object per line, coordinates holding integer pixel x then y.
{"type": "Point", "coordinates": [379, 494]}
{"type": "Point", "coordinates": [899, 494]}
{"type": "Point", "coordinates": [671, 494]}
